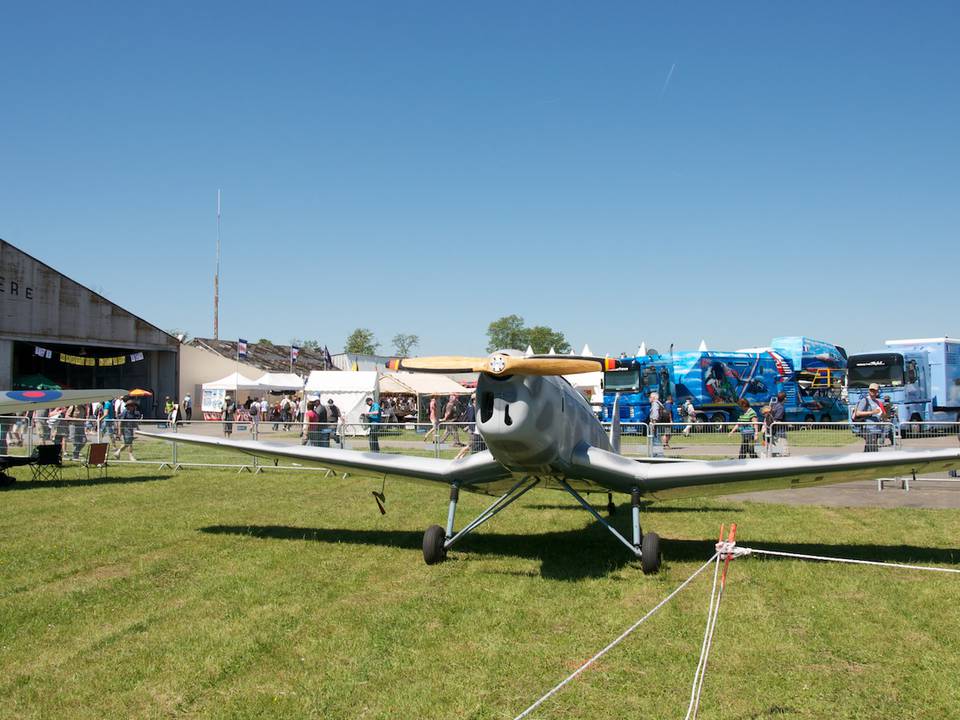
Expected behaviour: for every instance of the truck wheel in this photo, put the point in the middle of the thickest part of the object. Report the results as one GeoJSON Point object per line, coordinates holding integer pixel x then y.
{"type": "Point", "coordinates": [825, 418]}
{"type": "Point", "coordinates": [915, 429]}
{"type": "Point", "coordinates": [717, 417]}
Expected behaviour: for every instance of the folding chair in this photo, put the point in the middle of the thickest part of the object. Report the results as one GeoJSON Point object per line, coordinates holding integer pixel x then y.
{"type": "Point", "coordinates": [96, 457]}
{"type": "Point", "coordinates": [47, 463]}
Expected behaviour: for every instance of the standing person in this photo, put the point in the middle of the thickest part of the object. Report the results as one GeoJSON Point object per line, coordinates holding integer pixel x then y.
{"type": "Point", "coordinates": [747, 425]}
{"type": "Point", "coordinates": [321, 410]}
{"type": "Point", "coordinates": [778, 415]}
{"type": "Point", "coordinates": [168, 406]}
{"type": "Point", "coordinates": [58, 426]}
{"type": "Point", "coordinates": [373, 417]}
{"type": "Point", "coordinates": [668, 412]}
{"type": "Point", "coordinates": [476, 443]}
{"type": "Point", "coordinates": [254, 411]}
{"type": "Point", "coordinates": [657, 415]}
{"type": "Point", "coordinates": [311, 426]}
{"type": "Point", "coordinates": [335, 418]}
{"type": "Point", "coordinates": [869, 411]}
{"type": "Point", "coordinates": [893, 417]}
{"type": "Point", "coordinates": [451, 415]}
{"type": "Point", "coordinates": [690, 412]}
{"type": "Point", "coordinates": [77, 419]}
{"type": "Point", "coordinates": [42, 418]}
{"type": "Point", "coordinates": [434, 418]}
{"type": "Point", "coordinates": [107, 422]}
{"type": "Point", "coordinates": [186, 405]}
{"type": "Point", "coordinates": [129, 421]}
{"type": "Point", "coordinates": [228, 411]}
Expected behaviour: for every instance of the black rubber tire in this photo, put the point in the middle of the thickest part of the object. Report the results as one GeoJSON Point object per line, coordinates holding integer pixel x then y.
{"type": "Point", "coordinates": [650, 557]}
{"type": "Point", "coordinates": [611, 509]}
{"type": "Point", "coordinates": [825, 418]}
{"type": "Point", "coordinates": [433, 550]}
{"type": "Point", "coordinates": [717, 417]}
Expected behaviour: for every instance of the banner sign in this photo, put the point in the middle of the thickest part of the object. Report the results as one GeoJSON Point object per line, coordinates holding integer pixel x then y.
{"type": "Point", "coordinates": [85, 361]}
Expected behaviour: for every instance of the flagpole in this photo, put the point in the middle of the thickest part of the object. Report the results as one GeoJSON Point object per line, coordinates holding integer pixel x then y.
{"type": "Point", "coordinates": [216, 279]}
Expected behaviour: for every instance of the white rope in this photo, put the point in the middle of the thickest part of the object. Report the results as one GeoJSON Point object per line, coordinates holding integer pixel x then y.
{"type": "Point", "coordinates": [616, 642]}
{"type": "Point", "coordinates": [740, 551]}
{"type": "Point", "coordinates": [704, 647]}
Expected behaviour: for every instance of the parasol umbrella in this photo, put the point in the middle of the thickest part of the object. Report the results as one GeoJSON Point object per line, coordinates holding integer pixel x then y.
{"type": "Point", "coordinates": [137, 392]}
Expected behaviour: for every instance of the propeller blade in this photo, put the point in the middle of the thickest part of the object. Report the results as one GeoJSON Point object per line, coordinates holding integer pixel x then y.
{"type": "Point", "coordinates": [439, 364]}
{"type": "Point", "coordinates": [498, 364]}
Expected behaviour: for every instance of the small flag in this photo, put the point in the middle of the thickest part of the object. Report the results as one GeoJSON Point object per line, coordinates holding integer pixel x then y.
{"type": "Point", "coordinates": [294, 353]}
{"type": "Point", "coordinates": [136, 357]}
{"type": "Point", "coordinates": [241, 348]}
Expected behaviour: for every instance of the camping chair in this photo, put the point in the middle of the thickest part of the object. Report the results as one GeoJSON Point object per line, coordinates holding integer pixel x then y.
{"type": "Point", "coordinates": [46, 464]}
{"type": "Point", "coordinates": [96, 457]}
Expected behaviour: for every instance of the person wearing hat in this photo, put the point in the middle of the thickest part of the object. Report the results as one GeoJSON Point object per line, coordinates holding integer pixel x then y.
{"type": "Point", "coordinates": [129, 420]}
{"type": "Point", "coordinates": [869, 410]}
{"type": "Point", "coordinates": [228, 411]}
{"type": "Point", "coordinates": [335, 418]}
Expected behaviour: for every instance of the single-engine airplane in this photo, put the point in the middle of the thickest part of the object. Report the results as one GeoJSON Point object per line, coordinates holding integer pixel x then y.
{"type": "Point", "coordinates": [540, 431]}
{"type": "Point", "coordinates": [14, 401]}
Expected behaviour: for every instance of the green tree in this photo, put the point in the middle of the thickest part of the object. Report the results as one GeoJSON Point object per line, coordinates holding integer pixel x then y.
{"type": "Point", "coordinates": [403, 344]}
{"type": "Point", "coordinates": [507, 333]}
{"type": "Point", "coordinates": [264, 341]}
{"type": "Point", "coordinates": [183, 335]}
{"type": "Point", "coordinates": [541, 339]}
{"type": "Point", "coordinates": [361, 342]}
{"type": "Point", "coordinates": [311, 345]}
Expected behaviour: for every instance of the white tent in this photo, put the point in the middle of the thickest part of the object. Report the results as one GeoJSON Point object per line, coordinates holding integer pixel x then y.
{"type": "Point", "coordinates": [590, 384]}
{"type": "Point", "coordinates": [421, 384]}
{"type": "Point", "coordinates": [233, 381]}
{"type": "Point", "coordinates": [280, 381]}
{"type": "Point", "coordinates": [348, 390]}
{"type": "Point", "coordinates": [703, 346]}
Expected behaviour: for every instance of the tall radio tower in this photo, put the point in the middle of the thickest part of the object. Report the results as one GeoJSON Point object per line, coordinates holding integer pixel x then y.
{"type": "Point", "coordinates": [216, 279]}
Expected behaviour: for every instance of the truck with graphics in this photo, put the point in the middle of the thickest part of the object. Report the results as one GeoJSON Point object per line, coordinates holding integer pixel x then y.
{"type": "Point", "coordinates": [920, 376]}
{"type": "Point", "coordinates": [810, 373]}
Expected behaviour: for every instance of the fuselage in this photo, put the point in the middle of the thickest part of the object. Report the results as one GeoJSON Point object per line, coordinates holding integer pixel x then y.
{"type": "Point", "coordinates": [533, 424]}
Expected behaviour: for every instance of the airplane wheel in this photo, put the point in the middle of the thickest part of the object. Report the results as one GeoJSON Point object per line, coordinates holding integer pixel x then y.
{"type": "Point", "coordinates": [650, 553]}
{"type": "Point", "coordinates": [611, 509]}
{"type": "Point", "coordinates": [433, 551]}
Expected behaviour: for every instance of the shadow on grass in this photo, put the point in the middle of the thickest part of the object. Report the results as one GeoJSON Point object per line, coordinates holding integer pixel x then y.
{"type": "Point", "coordinates": [579, 554]}
{"type": "Point", "coordinates": [625, 508]}
{"type": "Point", "coordinates": [81, 482]}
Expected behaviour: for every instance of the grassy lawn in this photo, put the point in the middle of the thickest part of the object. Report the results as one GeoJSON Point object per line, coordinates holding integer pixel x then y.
{"type": "Point", "coordinates": [208, 593]}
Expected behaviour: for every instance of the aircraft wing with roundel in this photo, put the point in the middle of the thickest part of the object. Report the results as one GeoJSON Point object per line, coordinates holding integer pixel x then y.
{"type": "Point", "coordinates": [697, 478]}
{"type": "Point", "coordinates": [478, 471]}
{"type": "Point", "coordinates": [16, 401]}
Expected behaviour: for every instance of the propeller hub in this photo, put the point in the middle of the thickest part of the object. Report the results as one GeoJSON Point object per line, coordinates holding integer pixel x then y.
{"type": "Point", "coordinates": [498, 363]}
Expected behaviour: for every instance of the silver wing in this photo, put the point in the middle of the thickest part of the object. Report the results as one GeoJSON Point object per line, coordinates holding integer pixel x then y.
{"type": "Point", "coordinates": [699, 478]}
{"type": "Point", "coordinates": [475, 472]}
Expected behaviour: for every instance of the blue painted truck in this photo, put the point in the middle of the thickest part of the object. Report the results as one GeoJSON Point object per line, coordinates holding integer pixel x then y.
{"type": "Point", "coordinates": [809, 371]}
{"type": "Point", "coordinates": [920, 376]}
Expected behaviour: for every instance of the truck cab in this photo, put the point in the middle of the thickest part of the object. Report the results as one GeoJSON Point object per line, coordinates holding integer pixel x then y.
{"type": "Point", "coordinates": [903, 376]}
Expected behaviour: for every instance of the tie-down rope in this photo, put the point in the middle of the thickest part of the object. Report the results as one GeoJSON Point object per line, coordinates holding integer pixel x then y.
{"type": "Point", "coordinates": [616, 642]}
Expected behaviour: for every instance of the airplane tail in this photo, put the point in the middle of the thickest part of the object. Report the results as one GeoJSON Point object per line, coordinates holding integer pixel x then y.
{"type": "Point", "coordinates": [615, 424]}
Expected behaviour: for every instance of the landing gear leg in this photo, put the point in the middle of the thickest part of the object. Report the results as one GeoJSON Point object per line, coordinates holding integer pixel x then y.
{"type": "Point", "coordinates": [647, 546]}
{"type": "Point", "coordinates": [437, 540]}
{"type": "Point", "coordinates": [454, 497]}
{"type": "Point", "coordinates": [611, 506]}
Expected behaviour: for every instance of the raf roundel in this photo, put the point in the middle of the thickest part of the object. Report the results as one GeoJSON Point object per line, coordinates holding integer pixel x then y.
{"type": "Point", "coordinates": [33, 395]}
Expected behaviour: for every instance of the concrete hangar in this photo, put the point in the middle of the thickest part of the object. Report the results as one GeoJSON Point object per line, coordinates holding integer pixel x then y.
{"type": "Point", "coordinates": [55, 331]}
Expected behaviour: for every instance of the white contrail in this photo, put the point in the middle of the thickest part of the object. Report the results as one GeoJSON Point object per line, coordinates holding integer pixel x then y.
{"type": "Point", "coordinates": [666, 83]}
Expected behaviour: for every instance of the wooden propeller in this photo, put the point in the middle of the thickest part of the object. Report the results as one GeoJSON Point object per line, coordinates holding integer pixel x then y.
{"type": "Point", "coordinates": [499, 364]}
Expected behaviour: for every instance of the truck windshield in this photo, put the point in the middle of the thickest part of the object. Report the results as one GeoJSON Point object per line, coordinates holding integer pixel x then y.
{"type": "Point", "coordinates": [619, 380]}
{"type": "Point", "coordinates": [881, 368]}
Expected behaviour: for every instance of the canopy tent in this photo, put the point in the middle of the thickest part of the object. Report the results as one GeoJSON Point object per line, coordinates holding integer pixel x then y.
{"type": "Point", "coordinates": [233, 381]}
{"type": "Point", "coordinates": [590, 385]}
{"type": "Point", "coordinates": [348, 390]}
{"type": "Point", "coordinates": [409, 383]}
{"type": "Point", "coordinates": [280, 381]}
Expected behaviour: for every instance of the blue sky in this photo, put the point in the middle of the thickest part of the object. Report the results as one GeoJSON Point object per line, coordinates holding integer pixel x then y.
{"type": "Point", "coordinates": [623, 172]}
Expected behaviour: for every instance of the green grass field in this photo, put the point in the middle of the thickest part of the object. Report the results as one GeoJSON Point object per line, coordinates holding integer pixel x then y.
{"type": "Point", "coordinates": [213, 594]}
